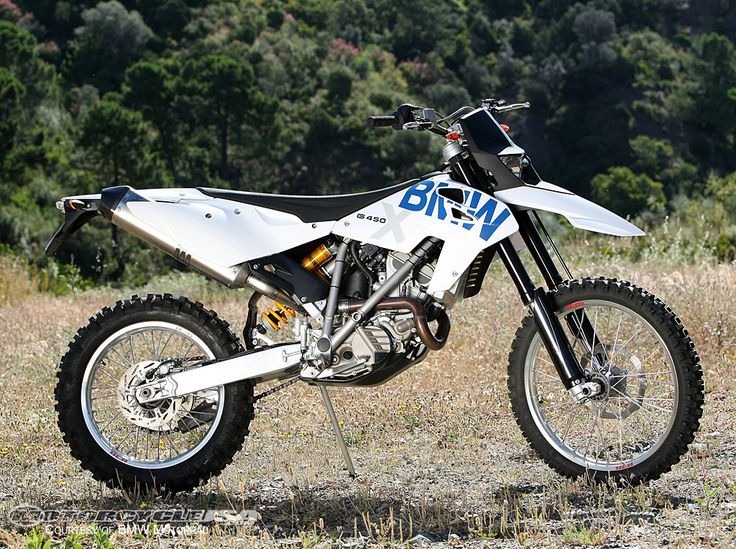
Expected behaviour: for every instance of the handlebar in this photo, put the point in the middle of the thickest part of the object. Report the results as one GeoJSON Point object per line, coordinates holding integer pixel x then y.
{"type": "Point", "coordinates": [410, 117]}
{"type": "Point", "coordinates": [382, 121]}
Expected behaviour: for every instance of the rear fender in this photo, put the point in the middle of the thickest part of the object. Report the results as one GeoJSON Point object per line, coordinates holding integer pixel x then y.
{"type": "Point", "coordinates": [581, 213]}
{"type": "Point", "coordinates": [78, 210]}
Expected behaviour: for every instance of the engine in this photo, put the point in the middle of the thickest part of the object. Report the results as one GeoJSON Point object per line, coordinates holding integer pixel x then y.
{"type": "Point", "coordinates": [394, 336]}
{"type": "Point", "coordinates": [389, 336]}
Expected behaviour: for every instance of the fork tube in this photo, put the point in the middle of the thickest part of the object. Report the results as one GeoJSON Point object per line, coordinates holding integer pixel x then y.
{"type": "Point", "coordinates": [537, 249]}
{"type": "Point", "coordinates": [578, 321]}
{"type": "Point", "coordinates": [550, 329]}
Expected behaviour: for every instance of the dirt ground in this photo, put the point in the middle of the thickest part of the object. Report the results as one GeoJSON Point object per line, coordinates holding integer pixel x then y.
{"type": "Point", "coordinates": [439, 455]}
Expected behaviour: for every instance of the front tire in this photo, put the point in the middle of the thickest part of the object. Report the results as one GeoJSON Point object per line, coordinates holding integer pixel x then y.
{"type": "Point", "coordinates": [650, 411]}
{"type": "Point", "coordinates": [173, 445]}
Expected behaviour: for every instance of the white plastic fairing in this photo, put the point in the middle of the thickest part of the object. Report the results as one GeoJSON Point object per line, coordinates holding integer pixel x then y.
{"type": "Point", "coordinates": [219, 235]}
{"type": "Point", "coordinates": [221, 231]}
{"type": "Point", "coordinates": [581, 213]}
{"type": "Point", "coordinates": [466, 220]}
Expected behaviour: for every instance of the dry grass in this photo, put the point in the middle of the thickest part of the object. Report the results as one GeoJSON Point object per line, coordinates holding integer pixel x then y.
{"type": "Point", "coordinates": [16, 280]}
{"type": "Point", "coordinates": [437, 449]}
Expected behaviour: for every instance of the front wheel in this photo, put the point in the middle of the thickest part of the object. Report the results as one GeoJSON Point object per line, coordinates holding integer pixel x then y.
{"type": "Point", "coordinates": [650, 409]}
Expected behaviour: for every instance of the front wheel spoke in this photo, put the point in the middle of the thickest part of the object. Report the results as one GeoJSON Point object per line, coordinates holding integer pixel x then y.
{"type": "Point", "coordinates": [652, 354]}
{"type": "Point", "coordinates": [620, 433]}
{"type": "Point", "coordinates": [545, 374]}
{"type": "Point", "coordinates": [638, 437]}
{"type": "Point", "coordinates": [620, 349]}
{"type": "Point", "coordinates": [548, 361]}
{"type": "Point", "coordinates": [567, 405]}
{"type": "Point", "coordinates": [567, 428]}
{"type": "Point", "coordinates": [602, 440]}
{"type": "Point", "coordinates": [590, 438]}
{"type": "Point", "coordinates": [629, 399]}
{"type": "Point", "coordinates": [638, 374]}
{"type": "Point", "coordinates": [645, 398]}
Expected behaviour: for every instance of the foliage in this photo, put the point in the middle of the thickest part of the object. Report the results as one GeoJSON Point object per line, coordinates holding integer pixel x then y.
{"type": "Point", "coordinates": [628, 193]}
{"type": "Point", "coordinates": [634, 103]}
{"type": "Point", "coordinates": [110, 38]}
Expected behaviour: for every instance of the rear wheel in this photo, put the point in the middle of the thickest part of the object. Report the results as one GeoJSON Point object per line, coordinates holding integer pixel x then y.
{"type": "Point", "coordinates": [174, 444]}
{"type": "Point", "coordinates": [646, 417]}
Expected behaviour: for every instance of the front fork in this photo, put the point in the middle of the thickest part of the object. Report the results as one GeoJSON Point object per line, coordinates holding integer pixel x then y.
{"type": "Point", "coordinates": [550, 329]}
{"type": "Point", "coordinates": [553, 336]}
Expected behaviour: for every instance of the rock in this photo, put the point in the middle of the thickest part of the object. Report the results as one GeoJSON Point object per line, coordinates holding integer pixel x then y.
{"type": "Point", "coordinates": [420, 540]}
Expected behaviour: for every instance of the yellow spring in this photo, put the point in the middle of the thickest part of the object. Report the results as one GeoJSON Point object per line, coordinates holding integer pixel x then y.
{"type": "Point", "coordinates": [279, 314]}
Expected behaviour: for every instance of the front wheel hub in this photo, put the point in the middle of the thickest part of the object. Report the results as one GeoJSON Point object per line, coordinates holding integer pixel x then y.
{"type": "Point", "coordinates": [625, 383]}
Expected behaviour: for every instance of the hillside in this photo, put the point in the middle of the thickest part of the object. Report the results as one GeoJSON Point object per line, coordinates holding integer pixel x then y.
{"type": "Point", "coordinates": [634, 102]}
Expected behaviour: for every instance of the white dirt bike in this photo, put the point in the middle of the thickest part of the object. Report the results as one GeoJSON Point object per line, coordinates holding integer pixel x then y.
{"type": "Point", "coordinates": [159, 392]}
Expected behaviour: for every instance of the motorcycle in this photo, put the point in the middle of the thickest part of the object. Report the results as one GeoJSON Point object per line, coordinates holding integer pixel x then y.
{"type": "Point", "coordinates": [604, 380]}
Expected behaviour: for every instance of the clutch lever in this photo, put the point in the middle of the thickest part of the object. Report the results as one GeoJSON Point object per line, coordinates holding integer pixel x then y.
{"type": "Point", "coordinates": [512, 107]}
{"type": "Point", "coordinates": [417, 125]}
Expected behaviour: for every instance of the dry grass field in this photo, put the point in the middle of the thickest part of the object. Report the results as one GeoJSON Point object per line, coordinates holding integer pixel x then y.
{"type": "Point", "coordinates": [439, 455]}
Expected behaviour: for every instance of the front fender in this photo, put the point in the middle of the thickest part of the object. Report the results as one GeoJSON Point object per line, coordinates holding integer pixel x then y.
{"type": "Point", "coordinates": [581, 213]}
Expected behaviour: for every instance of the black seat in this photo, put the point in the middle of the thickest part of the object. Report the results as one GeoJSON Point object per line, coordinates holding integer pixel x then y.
{"type": "Point", "coordinates": [310, 208]}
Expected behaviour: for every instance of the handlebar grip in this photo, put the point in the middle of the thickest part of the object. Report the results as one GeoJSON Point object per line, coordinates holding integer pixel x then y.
{"type": "Point", "coordinates": [381, 121]}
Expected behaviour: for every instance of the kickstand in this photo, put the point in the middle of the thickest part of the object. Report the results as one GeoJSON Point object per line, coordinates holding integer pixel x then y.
{"type": "Point", "coordinates": [338, 431]}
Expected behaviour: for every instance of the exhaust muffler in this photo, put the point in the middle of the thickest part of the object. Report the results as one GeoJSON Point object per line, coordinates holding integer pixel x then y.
{"type": "Point", "coordinates": [114, 207]}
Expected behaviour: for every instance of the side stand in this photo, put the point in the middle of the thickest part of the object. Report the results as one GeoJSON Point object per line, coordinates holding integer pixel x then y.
{"type": "Point", "coordinates": [338, 431]}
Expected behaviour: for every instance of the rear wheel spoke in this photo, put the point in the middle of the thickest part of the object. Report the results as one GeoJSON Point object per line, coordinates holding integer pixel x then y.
{"type": "Point", "coordinates": [159, 435]}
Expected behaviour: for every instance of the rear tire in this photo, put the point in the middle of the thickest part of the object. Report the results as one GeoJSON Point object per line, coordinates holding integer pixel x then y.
{"type": "Point", "coordinates": [229, 426]}
{"type": "Point", "coordinates": [549, 419]}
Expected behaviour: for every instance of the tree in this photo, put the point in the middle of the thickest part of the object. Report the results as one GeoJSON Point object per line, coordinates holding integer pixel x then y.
{"type": "Point", "coordinates": [151, 88]}
{"type": "Point", "coordinates": [594, 26]}
{"type": "Point", "coordinates": [221, 93]}
{"type": "Point", "coordinates": [109, 40]}
{"type": "Point", "coordinates": [117, 139]}
{"type": "Point", "coordinates": [18, 55]}
{"type": "Point", "coordinates": [714, 107]}
{"type": "Point", "coordinates": [627, 193]}
{"type": "Point", "coordinates": [11, 91]}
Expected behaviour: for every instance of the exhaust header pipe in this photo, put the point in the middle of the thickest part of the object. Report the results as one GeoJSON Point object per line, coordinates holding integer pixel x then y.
{"type": "Point", "coordinates": [114, 207]}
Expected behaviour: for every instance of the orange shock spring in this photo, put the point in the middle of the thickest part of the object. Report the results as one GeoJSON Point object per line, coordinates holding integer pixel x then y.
{"type": "Point", "coordinates": [278, 315]}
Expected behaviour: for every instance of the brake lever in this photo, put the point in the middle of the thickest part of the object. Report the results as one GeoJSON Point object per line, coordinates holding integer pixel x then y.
{"type": "Point", "coordinates": [512, 107]}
